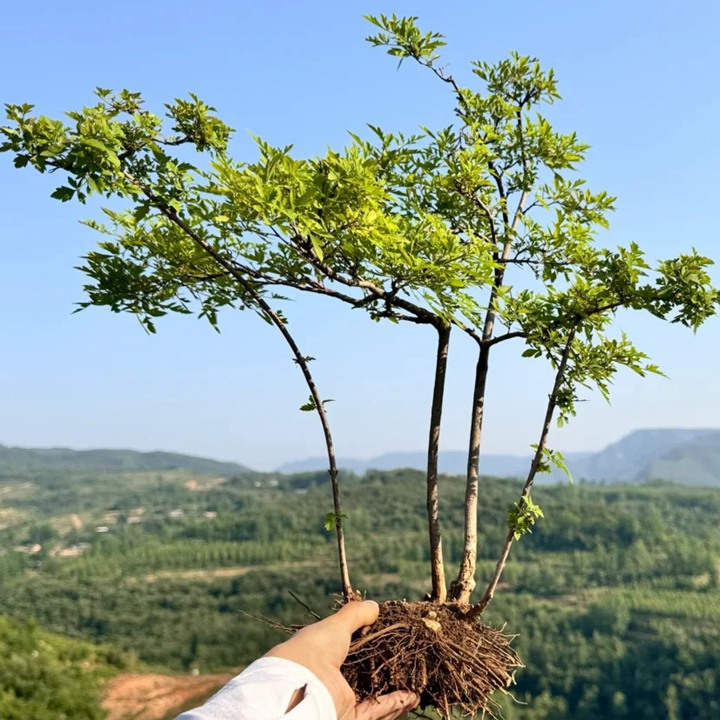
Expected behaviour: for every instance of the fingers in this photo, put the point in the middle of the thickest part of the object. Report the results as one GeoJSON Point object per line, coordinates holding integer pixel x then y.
{"type": "Point", "coordinates": [387, 707]}
{"type": "Point", "coordinates": [356, 614]}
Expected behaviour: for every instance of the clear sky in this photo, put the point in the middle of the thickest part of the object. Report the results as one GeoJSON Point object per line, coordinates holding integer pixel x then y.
{"type": "Point", "coordinates": [639, 82]}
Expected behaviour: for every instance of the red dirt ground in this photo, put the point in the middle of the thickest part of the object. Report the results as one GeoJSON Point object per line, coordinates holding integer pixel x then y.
{"type": "Point", "coordinates": [155, 697]}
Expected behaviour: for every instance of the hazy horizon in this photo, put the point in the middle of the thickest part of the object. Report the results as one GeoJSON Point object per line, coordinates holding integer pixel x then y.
{"type": "Point", "coordinates": [272, 467]}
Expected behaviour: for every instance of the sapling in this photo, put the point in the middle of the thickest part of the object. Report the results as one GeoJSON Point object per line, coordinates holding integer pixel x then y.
{"type": "Point", "coordinates": [480, 229]}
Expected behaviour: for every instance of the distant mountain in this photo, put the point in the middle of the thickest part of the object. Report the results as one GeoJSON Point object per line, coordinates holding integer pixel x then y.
{"type": "Point", "coordinates": [686, 456]}
{"type": "Point", "coordinates": [453, 462]}
{"type": "Point", "coordinates": [653, 454]}
{"type": "Point", "coordinates": [695, 463]}
{"type": "Point", "coordinates": [12, 458]}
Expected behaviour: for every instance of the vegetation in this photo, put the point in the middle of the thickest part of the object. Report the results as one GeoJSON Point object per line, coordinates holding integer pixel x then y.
{"type": "Point", "coordinates": [46, 677]}
{"type": "Point", "coordinates": [617, 591]}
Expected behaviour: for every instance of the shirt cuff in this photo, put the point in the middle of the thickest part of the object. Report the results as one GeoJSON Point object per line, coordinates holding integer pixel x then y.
{"type": "Point", "coordinates": [263, 692]}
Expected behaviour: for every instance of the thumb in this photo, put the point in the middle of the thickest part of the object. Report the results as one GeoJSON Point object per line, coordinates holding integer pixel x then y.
{"type": "Point", "coordinates": [387, 707]}
{"type": "Point", "coordinates": [355, 614]}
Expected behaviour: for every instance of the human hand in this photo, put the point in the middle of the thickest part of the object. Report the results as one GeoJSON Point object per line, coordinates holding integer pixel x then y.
{"type": "Point", "coordinates": [322, 649]}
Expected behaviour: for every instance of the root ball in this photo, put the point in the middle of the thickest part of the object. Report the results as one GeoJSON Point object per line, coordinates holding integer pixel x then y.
{"type": "Point", "coordinates": [436, 651]}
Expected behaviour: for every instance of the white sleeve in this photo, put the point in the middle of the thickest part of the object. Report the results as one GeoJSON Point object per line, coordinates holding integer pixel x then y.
{"type": "Point", "coordinates": [263, 692]}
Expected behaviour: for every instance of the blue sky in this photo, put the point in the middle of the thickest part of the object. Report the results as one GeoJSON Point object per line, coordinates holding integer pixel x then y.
{"type": "Point", "coordinates": [639, 82]}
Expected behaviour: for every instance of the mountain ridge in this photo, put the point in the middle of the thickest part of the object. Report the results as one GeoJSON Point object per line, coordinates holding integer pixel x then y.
{"type": "Point", "coordinates": [13, 458]}
{"type": "Point", "coordinates": [682, 455]}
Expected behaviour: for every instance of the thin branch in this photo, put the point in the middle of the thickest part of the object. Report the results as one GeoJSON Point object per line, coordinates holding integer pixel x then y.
{"type": "Point", "coordinates": [517, 260]}
{"type": "Point", "coordinates": [478, 609]}
{"type": "Point", "coordinates": [507, 336]}
{"type": "Point", "coordinates": [449, 79]}
{"type": "Point", "coordinates": [423, 315]}
{"type": "Point", "coordinates": [519, 211]}
{"type": "Point", "coordinates": [308, 609]}
{"type": "Point", "coordinates": [497, 177]}
{"type": "Point", "coordinates": [489, 214]}
{"type": "Point", "coordinates": [471, 332]}
{"type": "Point", "coordinates": [174, 217]}
{"type": "Point", "coordinates": [526, 171]}
{"type": "Point", "coordinates": [206, 278]}
{"type": "Point", "coordinates": [309, 286]}
{"type": "Point", "coordinates": [463, 585]}
{"type": "Point", "coordinates": [531, 206]}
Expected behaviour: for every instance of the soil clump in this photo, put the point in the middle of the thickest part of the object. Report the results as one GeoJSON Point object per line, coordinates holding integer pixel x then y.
{"type": "Point", "coordinates": [435, 650]}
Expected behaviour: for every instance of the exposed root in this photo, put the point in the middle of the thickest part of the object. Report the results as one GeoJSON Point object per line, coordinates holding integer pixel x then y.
{"type": "Point", "coordinates": [436, 651]}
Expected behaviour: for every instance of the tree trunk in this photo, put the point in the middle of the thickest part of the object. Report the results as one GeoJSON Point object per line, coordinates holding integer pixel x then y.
{"type": "Point", "coordinates": [478, 610]}
{"type": "Point", "coordinates": [439, 590]}
{"type": "Point", "coordinates": [463, 585]}
{"type": "Point", "coordinates": [461, 588]}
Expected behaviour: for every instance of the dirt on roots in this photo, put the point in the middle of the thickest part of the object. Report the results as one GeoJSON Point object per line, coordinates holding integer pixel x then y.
{"type": "Point", "coordinates": [438, 652]}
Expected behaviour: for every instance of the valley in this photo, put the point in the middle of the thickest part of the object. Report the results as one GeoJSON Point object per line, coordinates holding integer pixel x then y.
{"type": "Point", "coordinates": [615, 596]}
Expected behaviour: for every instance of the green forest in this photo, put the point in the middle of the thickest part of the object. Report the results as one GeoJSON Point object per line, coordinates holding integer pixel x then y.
{"type": "Point", "coordinates": [614, 597]}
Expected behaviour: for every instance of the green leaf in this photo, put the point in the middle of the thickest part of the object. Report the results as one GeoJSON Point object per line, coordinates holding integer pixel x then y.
{"type": "Point", "coordinates": [318, 248]}
{"type": "Point", "coordinates": [141, 211]}
{"type": "Point", "coordinates": [92, 142]}
{"type": "Point", "coordinates": [522, 516]}
{"type": "Point", "coordinates": [332, 520]}
{"type": "Point", "coordinates": [63, 194]}
{"type": "Point", "coordinates": [309, 406]}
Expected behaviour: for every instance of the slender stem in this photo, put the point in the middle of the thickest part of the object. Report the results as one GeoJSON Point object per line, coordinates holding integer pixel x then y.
{"type": "Point", "coordinates": [348, 592]}
{"type": "Point", "coordinates": [478, 609]}
{"type": "Point", "coordinates": [172, 215]}
{"type": "Point", "coordinates": [463, 585]}
{"type": "Point", "coordinates": [439, 590]}
{"type": "Point", "coordinates": [461, 588]}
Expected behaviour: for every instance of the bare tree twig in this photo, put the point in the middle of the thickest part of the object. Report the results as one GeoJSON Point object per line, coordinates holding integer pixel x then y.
{"type": "Point", "coordinates": [305, 605]}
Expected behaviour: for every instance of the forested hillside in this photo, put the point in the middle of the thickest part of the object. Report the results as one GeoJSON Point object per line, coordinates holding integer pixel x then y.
{"type": "Point", "coordinates": [615, 596]}
{"type": "Point", "coordinates": [44, 677]}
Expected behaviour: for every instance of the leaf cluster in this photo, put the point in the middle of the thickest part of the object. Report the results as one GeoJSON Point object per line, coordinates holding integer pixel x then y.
{"type": "Point", "coordinates": [522, 516]}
